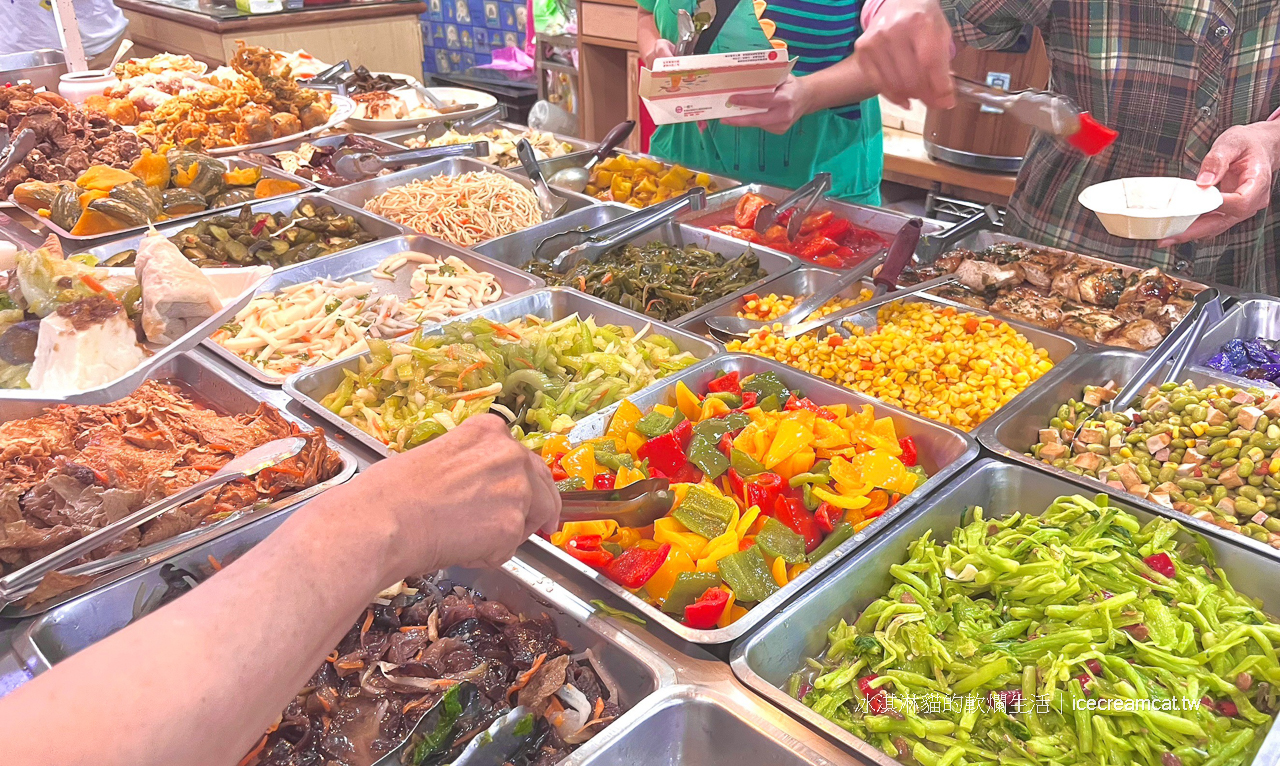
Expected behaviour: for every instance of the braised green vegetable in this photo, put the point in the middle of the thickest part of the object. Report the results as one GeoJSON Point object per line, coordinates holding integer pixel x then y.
{"type": "Point", "coordinates": [1080, 637]}
{"type": "Point", "coordinates": [657, 279]}
{"type": "Point", "coordinates": [276, 239]}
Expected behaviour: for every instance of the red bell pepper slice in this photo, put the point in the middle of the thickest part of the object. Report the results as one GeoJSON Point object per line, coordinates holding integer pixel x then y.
{"type": "Point", "coordinates": [1161, 563]}
{"type": "Point", "coordinates": [688, 474]}
{"type": "Point", "coordinates": [725, 444]}
{"type": "Point", "coordinates": [586, 548]}
{"type": "Point", "coordinates": [667, 453]}
{"type": "Point", "coordinates": [877, 699]}
{"type": "Point", "coordinates": [604, 481]}
{"type": "Point", "coordinates": [797, 403]}
{"type": "Point", "coordinates": [910, 455]}
{"type": "Point", "coordinates": [828, 516]}
{"type": "Point", "coordinates": [817, 246]}
{"type": "Point", "coordinates": [557, 471]}
{"type": "Point", "coordinates": [815, 221]}
{"type": "Point", "coordinates": [749, 400]}
{"type": "Point", "coordinates": [704, 613]}
{"type": "Point", "coordinates": [736, 483]}
{"type": "Point", "coordinates": [727, 383]}
{"type": "Point", "coordinates": [763, 490]}
{"type": "Point", "coordinates": [636, 565]}
{"type": "Point", "coordinates": [791, 512]}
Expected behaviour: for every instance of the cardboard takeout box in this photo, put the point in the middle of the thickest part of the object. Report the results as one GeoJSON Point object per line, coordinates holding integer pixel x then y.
{"type": "Point", "coordinates": [690, 88]}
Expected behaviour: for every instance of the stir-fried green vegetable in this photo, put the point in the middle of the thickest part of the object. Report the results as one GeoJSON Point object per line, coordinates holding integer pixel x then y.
{"type": "Point", "coordinates": [657, 279]}
{"type": "Point", "coordinates": [1076, 637]}
{"type": "Point", "coordinates": [541, 376]}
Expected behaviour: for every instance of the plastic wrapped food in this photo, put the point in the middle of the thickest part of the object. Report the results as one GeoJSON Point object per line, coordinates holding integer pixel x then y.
{"type": "Point", "coordinates": [1256, 359]}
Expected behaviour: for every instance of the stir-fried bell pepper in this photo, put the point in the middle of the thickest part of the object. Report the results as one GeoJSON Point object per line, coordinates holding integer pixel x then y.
{"type": "Point", "coordinates": [909, 455]}
{"type": "Point", "coordinates": [636, 565]}
{"type": "Point", "coordinates": [704, 613]}
{"type": "Point", "coordinates": [762, 490]}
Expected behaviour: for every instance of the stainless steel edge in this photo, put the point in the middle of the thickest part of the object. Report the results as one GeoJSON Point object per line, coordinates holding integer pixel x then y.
{"type": "Point", "coordinates": [765, 660]}
{"type": "Point", "coordinates": [232, 163]}
{"type": "Point", "coordinates": [804, 281]}
{"type": "Point", "coordinates": [1255, 316]}
{"type": "Point", "coordinates": [224, 392]}
{"type": "Point", "coordinates": [943, 452]}
{"type": "Point", "coordinates": [337, 139]}
{"type": "Point", "coordinates": [357, 194]}
{"type": "Point", "coordinates": [880, 220]}
{"type": "Point", "coordinates": [721, 183]}
{"type": "Point", "coordinates": [310, 387]}
{"type": "Point", "coordinates": [516, 249]}
{"type": "Point", "coordinates": [1012, 428]}
{"type": "Point", "coordinates": [375, 225]}
{"type": "Point", "coordinates": [358, 262]}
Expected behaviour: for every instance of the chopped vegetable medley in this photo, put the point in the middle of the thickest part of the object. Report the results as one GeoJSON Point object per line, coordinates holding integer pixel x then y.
{"type": "Point", "coordinates": [1077, 637]}
{"type": "Point", "coordinates": [766, 483]}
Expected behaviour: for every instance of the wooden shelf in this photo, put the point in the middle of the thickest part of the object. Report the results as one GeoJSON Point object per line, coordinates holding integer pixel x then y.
{"type": "Point", "coordinates": [907, 162]}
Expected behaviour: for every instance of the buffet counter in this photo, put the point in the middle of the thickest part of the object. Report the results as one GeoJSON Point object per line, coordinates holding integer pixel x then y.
{"type": "Point", "coordinates": [385, 37]}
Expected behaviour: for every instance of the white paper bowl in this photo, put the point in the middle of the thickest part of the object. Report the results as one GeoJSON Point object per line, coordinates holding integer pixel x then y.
{"type": "Point", "coordinates": [1161, 207]}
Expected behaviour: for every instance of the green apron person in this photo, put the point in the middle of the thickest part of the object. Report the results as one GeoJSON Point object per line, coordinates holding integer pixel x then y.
{"type": "Point", "coordinates": [822, 118]}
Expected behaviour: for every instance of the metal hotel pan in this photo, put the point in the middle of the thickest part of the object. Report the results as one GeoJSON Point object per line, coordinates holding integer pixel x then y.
{"type": "Point", "coordinates": [804, 281]}
{"type": "Point", "coordinates": [338, 140]}
{"type": "Point", "coordinates": [225, 394]}
{"type": "Point", "coordinates": [1256, 316]}
{"type": "Point", "coordinates": [375, 225]}
{"type": "Point", "coordinates": [638, 670]}
{"type": "Point", "coordinates": [358, 264]}
{"type": "Point", "coordinates": [438, 129]}
{"type": "Point", "coordinates": [516, 249]}
{"type": "Point", "coordinates": [766, 660]}
{"type": "Point", "coordinates": [549, 167]}
{"type": "Point", "coordinates": [943, 452]}
{"type": "Point", "coordinates": [1014, 427]}
{"type": "Point", "coordinates": [311, 386]}
{"type": "Point", "coordinates": [357, 194]}
{"type": "Point", "coordinates": [232, 164]}
{"type": "Point", "coordinates": [518, 252]}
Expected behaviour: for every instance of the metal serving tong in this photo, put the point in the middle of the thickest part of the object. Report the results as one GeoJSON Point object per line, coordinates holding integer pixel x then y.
{"type": "Point", "coordinates": [550, 203]}
{"type": "Point", "coordinates": [15, 151]}
{"type": "Point", "coordinates": [430, 99]}
{"type": "Point", "coordinates": [329, 79]}
{"type": "Point", "coordinates": [1175, 350]}
{"type": "Point", "coordinates": [886, 283]}
{"type": "Point", "coordinates": [933, 246]}
{"type": "Point", "coordinates": [635, 505]}
{"type": "Point", "coordinates": [557, 243]}
{"type": "Point", "coordinates": [741, 327]}
{"type": "Point", "coordinates": [249, 464]}
{"type": "Point", "coordinates": [626, 229]}
{"type": "Point", "coordinates": [357, 165]}
{"type": "Point", "coordinates": [809, 194]}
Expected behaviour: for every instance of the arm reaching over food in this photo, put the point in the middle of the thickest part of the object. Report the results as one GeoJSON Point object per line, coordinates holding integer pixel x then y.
{"type": "Point", "coordinates": [221, 662]}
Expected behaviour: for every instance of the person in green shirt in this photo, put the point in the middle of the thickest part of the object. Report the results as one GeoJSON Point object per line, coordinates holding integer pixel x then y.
{"type": "Point", "coordinates": [821, 118]}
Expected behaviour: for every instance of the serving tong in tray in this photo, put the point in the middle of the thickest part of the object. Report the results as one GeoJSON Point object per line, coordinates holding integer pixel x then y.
{"type": "Point", "coordinates": [802, 199]}
{"type": "Point", "coordinates": [357, 164]}
{"type": "Point", "coordinates": [330, 79]}
{"type": "Point", "coordinates": [1175, 350]}
{"type": "Point", "coordinates": [567, 248]}
{"type": "Point", "coordinates": [549, 202]}
{"type": "Point", "coordinates": [638, 504]}
{"type": "Point", "coordinates": [18, 584]}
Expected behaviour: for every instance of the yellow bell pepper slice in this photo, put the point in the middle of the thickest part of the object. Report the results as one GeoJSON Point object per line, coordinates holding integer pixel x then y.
{"type": "Point", "coordinates": [840, 501]}
{"type": "Point", "coordinates": [745, 441]}
{"type": "Point", "coordinates": [792, 436]}
{"type": "Point", "coordinates": [712, 408]}
{"type": "Point", "coordinates": [624, 420]}
{"type": "Point", "coordinates": [580, 462]}
{"type": "Point", "coordinates": [555, 446]}
{"type": "Point", "coordinates": [726, 616]}
{"type": "Point", "coordinates": [795, 570]}
{"type": "Point", "coordinates": [659, 586]}
{"type": "Point", "coordinates": [779, 571]}
{"type": "Point", "coordinates": [668, 530]}
{"type": "Point", "coordinates": [634, 442]}
{"type": "Point", "coordinates": [605, 528]}
{"type": "Point", "coordinates": [687, 401]}
{"type": "Point", "coordinates": [735, 614]}
{"type": "Point", "coordinates": [627, 537]}
{"type": "Point", "coordinates": [627, 476]}
{"type": "Point", "coordinates": [748, 519]}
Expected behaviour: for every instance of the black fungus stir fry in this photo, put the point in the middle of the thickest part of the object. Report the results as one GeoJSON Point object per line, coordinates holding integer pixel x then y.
{"type": "Point", "coordinates": [657, 279]}
{"type": "Point", "coordinates": [276, 239]}
{"type": "Point", "coordinates": [441, 650]}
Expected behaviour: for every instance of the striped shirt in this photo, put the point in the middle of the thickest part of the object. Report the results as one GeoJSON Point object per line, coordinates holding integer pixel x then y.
{"type": "Point", "coordinates": [818, 34]}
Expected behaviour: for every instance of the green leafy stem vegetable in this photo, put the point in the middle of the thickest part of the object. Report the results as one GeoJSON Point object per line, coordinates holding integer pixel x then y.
{"type": "Point", "coordinates": [1077, 637]}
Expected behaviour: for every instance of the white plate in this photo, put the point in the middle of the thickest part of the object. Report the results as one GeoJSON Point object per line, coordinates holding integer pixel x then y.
{"type": "Point", "coordinates": [1149, 208]}
{"type": "Point", "coordinates": [343, 108]}
{"type": "Point", "coordinates": [457, 95]}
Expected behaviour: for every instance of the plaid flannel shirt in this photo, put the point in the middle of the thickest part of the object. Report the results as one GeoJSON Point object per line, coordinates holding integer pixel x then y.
{"type": "Point", "coordinates": [1171, 76]}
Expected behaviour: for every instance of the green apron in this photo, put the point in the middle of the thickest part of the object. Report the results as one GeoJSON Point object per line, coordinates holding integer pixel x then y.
{"type": "Point", "coordinates": [846, 142]}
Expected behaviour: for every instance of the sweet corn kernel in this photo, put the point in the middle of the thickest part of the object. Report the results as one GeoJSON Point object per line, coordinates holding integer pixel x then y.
{"type": "Point", "coordinates": [773, 306]}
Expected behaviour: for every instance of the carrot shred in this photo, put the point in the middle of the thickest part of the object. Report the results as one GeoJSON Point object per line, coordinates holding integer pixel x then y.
{"type": "Point", "coordinates": [349, 665]}
{"type": "Point", "coordinates": [333, 657]}
{"type": "Point", "coordinates": [523, 679]}
{"type": "Point", "coordinates": [254, 752]}
{"type": "Point", "coordinates": [599, 707]}
{"type": "Point", "coordinates": [407, 628]}
{"type": "Point", "coordinates": [470, 369]}
{"type": "Point", "coordinates": [217, 565]}
{"type": "Point", "coordinates": [368, 622]}
{"type": "Point", "coordinates": [502, 329]}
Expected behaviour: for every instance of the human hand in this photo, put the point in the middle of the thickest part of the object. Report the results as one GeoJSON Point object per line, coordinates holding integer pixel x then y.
{"type": "Point", "coordinates": [906, 53]}
{"type": "Point", "coordinates": [468, 498]}
{"type": "Point", "coordinates": [662, 48]}
{"type": "Point", "coordinates": [787, 103]}
{"type": "Point", "coordinates": [1241, 163]}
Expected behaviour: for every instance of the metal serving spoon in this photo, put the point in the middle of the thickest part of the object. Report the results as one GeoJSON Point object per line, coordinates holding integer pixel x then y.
{"type": "Point", "coordinates": [357, 165]}
{"type": "Point", "coordinates": [249, 464]}
{"type": "Point", "coordinates": [635, 505]}
{"type": "Point", "coordinates": [551, 204]}
{"type": "Point", "coordinates": [575, 178]}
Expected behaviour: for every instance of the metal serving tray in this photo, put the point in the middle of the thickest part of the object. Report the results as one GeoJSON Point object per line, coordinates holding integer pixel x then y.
{"type": "Point", "coordinates": [375, 225]}
{"type": "Point", "coordinates": [225, 394]}
{"type": "Point", "coordinates": [1012, 429]}
{"type": "Point", "coordinates": [551, 303]}
{"type": "Point", "coordinates": [338, 140]}
{"type": "Point", "coordinates": [439, 128]}
{"type": "Point", "coordinates": [357, 194]}
{"type": "Point", "coordinates": [698, 726]}
{"type": "Point", "coordinates": [358, 264]}
{"type": "Point", "coordinates": [638, 670]}
{"type": "Point", "coordinates": [517, 251]}
{"type": "Point", "coordinates": [880, 220]}
{"type": "Point", "coordinates": [943, 452]}
{"type": "Point", "coordinates": [1255, 316]}
{"type": "Point", "coordinates": [766, 660]}
{"type": "Point", "coordinates": [232, 163]}
{"type": "Point", "coordinates": [577, 160]}
{"type": "Point", "coordinates": [804, 281]}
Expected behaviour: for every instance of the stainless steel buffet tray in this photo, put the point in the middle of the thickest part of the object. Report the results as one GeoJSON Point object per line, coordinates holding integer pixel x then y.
{"type": "Point", "coordinates": [440, 127]}
{"type": "Point", "coordinates": [804, 281]}
{"type": "Point", "coordinates": [358, 264]}
{"type": "Point", "coordinates": [1014, 428]}
{"type": "Point", "coordinates": [337, 140]}
{"type": "Point", "coordinates": [310, 387]}
{"type": "Point", "coordinates": [518, 251]}
{"type": "Point", "coordinates": [1253, 316]}
{"type": "Point", "coordinates": [223, 393]}
{"type": "Point", "coordinates": [943, 452]}
{"type": "Point", "coordinates": [375, 225]}
{"type": "Point", "coordinates": [765, 661]}
{"type": "Point", "coordinates": [719, 183]}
